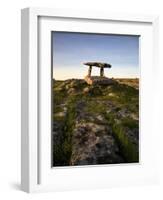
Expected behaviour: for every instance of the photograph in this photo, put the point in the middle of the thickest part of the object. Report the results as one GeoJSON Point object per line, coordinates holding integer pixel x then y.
{"type": "Point", "coordinates": [95, 99]}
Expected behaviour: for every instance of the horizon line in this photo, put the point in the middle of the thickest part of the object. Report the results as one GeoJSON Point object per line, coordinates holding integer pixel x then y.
{"type": "Point", "coordinates": [99, 76]}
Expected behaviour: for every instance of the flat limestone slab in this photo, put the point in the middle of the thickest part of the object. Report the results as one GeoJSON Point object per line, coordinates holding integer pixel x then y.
{"type": "Point", "coordinates": [91, 80]}
{"type": "Point", "coordinates": [98, 64]}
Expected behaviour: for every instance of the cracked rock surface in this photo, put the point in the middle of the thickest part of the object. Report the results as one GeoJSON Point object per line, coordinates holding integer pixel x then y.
{"type": "Point", "coordinates": [95, 124]}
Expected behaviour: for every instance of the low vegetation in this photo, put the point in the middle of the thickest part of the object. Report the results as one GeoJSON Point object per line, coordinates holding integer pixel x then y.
{"type": "Point", "coordinates": [95, 124]}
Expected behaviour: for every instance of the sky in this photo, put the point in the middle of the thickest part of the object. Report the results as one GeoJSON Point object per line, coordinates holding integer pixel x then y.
{"type": "Point", "coordinates": [71, 50]}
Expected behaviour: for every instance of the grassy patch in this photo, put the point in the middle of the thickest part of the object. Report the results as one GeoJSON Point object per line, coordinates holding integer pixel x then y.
{"type": "Point", "coordinates": [128, 149]}
{"type": "Point", "coordinates": [129, 123]}
{"type": "Point", "coordinates": [63, 149]}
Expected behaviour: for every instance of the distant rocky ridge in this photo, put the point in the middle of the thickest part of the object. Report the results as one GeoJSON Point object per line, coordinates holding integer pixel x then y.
{"type": "Point", "coordinates": [95, 124]}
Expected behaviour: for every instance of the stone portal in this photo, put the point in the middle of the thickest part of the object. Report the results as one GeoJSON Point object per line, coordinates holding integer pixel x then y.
{"type": "Point", "coordinates": [97, 79]}
{"type": "Point", "coordinates": [97, 64]}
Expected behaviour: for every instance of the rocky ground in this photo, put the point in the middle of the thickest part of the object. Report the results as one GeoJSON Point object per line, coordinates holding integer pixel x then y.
{"type": "Point", "coordinates": [95, 124]}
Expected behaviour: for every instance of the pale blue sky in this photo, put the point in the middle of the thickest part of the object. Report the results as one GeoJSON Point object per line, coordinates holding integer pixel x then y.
{"type": "Point", "coordinates": [71, 50]}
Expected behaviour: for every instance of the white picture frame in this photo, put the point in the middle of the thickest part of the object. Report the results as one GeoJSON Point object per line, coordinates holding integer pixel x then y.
{"type": "Point", "coordinates": [36, 171]}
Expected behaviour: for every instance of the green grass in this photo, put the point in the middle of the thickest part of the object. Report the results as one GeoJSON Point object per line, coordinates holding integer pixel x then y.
{"type": "Point", "coordinates": [128, 149]}
{"type": "Point", "coordinates": [63, 149]}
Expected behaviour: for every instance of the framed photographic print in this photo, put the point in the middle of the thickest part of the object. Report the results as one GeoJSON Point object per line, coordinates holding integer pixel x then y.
{"type": "Point", "coordinates": [88, 116]}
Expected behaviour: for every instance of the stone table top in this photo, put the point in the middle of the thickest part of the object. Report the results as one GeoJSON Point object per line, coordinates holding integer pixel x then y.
{"type": "Point", "coordinates": [98, 64]}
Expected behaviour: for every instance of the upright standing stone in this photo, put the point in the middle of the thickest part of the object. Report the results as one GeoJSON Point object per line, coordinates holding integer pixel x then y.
{"type": "Point", "coordinates": [89, 70]}
{"type": "Point", "coordinates": [101, 71]}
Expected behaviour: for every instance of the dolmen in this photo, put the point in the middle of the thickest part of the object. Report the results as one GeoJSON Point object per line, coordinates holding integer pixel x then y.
{"type": "Point", "coordinates": [101, 80]}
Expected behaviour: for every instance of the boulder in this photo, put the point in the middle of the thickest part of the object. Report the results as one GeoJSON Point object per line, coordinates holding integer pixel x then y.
{"type": "Point", "coordinates": [92, 80]}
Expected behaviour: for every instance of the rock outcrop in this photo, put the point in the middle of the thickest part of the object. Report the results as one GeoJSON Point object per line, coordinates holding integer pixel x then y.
{"type": "Point", "coordinates": [94, 80]}
{"type": "Point", "coordinates": [95, 124]}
